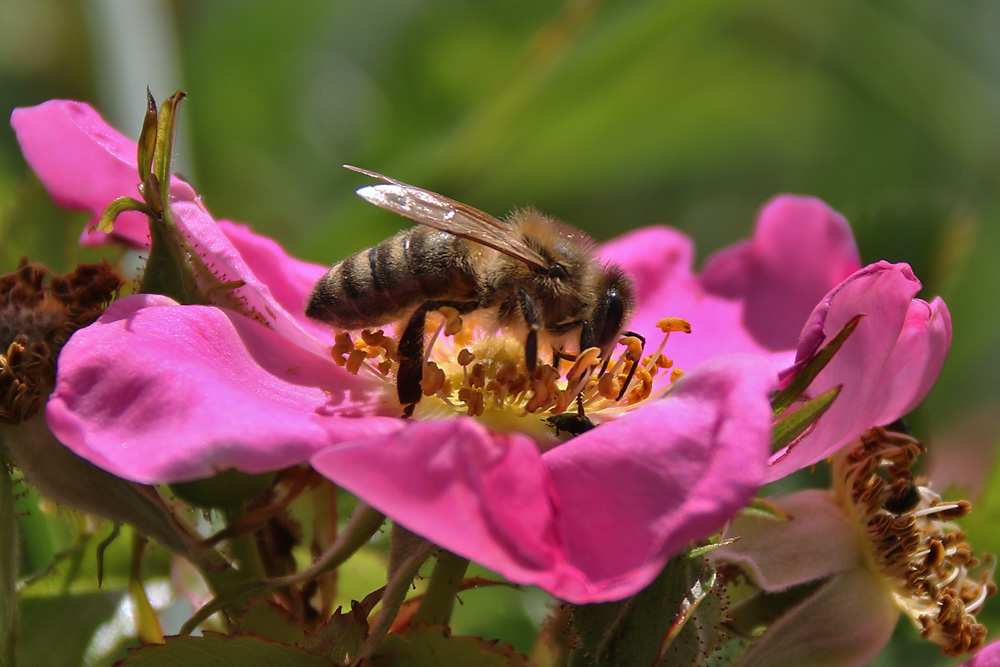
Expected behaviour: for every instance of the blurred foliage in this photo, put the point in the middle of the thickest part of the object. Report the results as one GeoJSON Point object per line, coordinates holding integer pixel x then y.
{"type": "Point", "coordinates": [610, 115]}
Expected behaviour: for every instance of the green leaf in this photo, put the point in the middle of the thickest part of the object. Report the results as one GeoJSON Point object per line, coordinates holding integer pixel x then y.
{"type": "Point", "coordinates": [433, 646]}
{"type": "Point", "coordinates": [650, 628]}
{"type": "Point", "coordinates": [797, 387]}
{"type": "Point", "coordinates": [217, 650]}
{"type": "Point", "coordinates": [340, 639]}
{"type": "Point", "coordinates": [58, 629]}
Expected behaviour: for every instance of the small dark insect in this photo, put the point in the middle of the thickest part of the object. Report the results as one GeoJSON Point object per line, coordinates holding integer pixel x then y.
{"type": "Point", "coordinates": [570, 422]}
{"type": "Point", "coordinates": [530, 274]}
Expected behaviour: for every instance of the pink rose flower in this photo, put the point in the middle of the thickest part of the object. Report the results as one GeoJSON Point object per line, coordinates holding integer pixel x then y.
{"type": "Point", "coordinates": [159, 392]}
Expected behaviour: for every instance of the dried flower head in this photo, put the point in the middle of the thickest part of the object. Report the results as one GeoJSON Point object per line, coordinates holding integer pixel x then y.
{"type": "Point", "coordinates": [39, 311]}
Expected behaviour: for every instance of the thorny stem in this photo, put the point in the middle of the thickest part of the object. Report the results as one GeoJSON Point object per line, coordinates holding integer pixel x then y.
{"type": "Point", "coordinates": [439, 599]}
{"type": "Point", "coordinates": [364, 523]}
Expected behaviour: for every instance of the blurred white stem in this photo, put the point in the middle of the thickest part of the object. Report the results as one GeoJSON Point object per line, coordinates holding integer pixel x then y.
{"type": "Point", "coordinates": [135, 45]}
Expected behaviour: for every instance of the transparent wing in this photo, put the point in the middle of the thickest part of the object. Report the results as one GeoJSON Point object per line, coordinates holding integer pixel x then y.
{"type": "Point", "coordinates": [437, 211]}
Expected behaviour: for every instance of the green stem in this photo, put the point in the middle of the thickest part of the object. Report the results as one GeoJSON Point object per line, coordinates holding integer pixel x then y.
{"type": "Point", "coordinates": [363, 524]}
{"type": "Point", "coordinates": [10, 542]}
{"type": "Point", "coordinates": [439, 598]}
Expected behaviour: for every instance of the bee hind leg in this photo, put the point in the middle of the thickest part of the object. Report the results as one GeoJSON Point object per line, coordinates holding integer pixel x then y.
{"type": "Point", "coordinates": [411, 361]}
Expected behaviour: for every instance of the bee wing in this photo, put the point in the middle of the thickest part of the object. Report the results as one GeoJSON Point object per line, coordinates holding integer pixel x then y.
{"type": "Point", "coordinates": [440, 212]}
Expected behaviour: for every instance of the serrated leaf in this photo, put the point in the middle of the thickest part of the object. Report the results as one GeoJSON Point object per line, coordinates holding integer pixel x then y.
{"type": "Point", "coordinates": [340, 639]}
{"type": "Point", "coordinates": [433, 646]}
{"type": "Point", "coordinates": [647, 628]}
{"type": "Point", "coordinates": [216, 650]}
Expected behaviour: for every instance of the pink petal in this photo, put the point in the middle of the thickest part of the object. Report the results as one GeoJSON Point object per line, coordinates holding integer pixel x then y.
{"type": "Point", "coordinates": [800, 250]}
{"type": "Point", "coordinates": [851, 614]}
{"type": "Point", "coordinates": [155, 393]}
{"type": "Point", "coordinates": [988, 657]}
{"type": "Point", "coordinates": [659, 260]}
{"type": "Point", "coordinates": [817, 541]}
{"type": "Point", "coordinates": [85, 164]}
{"type": "Point", "coordinates": [480, 494]}
{"type": "Point", "coordinates": [847, 621]}
{"type": "Point", "coordinates": [592, 520]}
{"type": "Point", "coordinates": [636, 490]}
{"type": "Point", "coordinates": [289, 280]}
{"type": "Point", "coordinates": [880, 382]}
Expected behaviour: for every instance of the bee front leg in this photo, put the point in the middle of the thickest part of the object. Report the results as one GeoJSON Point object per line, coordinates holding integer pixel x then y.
{"type": "Point", "coordinates": [530, 314]}
{"type": "Point", "coordinates": [411, 361]}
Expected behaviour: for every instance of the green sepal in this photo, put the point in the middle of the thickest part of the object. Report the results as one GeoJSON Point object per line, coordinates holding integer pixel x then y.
{"type": "Point", "coordinates": [166, 129]}
{"type": "Point", "coordinates": [785, 398]}
{"type": "Point", "coordinates": [647, 629]}
{"type": "Point", "coordinates": [225, 490]}
{"type": "Point", "coordinates": [106, 223]}
{"type": "Point", "coordinates": [794, 424]}
{"type": "Point", "coordinates": [760, 508]}
{"type": "Point", "coordinates": [147, 139]}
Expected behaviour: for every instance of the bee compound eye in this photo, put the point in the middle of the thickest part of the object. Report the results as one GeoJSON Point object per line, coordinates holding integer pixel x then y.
{"type": "Point", "coordinates": [611, 316]}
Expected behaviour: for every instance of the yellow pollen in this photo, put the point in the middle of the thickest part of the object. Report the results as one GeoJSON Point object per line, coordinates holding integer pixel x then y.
{"type": "Point", "coordinates": [670, 324]}
{"type": "Point", "coordinates": [475, 370]}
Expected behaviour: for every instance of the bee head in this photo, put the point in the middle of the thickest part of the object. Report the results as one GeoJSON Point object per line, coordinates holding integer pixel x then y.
{"type": "Point", "coordinates": [615, 302]}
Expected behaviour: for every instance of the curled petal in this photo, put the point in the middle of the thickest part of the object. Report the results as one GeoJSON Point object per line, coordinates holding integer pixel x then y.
{"type": "Point", "coordinates": [155, 392]}
{"type": "Point", "coordinates": [592, 520]}
{"type": "Point", "coordinates": [873, 364]}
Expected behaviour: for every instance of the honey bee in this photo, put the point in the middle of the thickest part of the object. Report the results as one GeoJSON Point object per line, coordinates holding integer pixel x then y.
{"type": "Point", "coordinates": [530, 274]}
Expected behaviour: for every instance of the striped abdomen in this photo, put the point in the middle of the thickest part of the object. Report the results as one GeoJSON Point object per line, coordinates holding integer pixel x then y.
{"type": "Point", "coordinates": [387, 282]}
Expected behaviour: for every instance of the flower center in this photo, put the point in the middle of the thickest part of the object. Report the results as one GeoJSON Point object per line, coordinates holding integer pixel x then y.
{"type": "Point", "coordinates": [472, 370]}
{"type": "Point", "coordinates": [912, 541]}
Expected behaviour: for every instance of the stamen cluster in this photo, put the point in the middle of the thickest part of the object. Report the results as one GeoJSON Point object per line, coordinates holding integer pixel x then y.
{"type": "Point", "coordinates": [39, 310]}
{"type": "Point", "coordinates": [912, 540]}
{"type": "Point", "coordinates": [472, 370]}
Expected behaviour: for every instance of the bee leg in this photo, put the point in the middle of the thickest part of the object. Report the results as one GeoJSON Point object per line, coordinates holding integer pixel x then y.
{"type": "Point", "coordinates": [530, 314]}
{"type": "Point", "coordinates": [411, 361]}
{"type": "Point", "coordinates": [586, 336]}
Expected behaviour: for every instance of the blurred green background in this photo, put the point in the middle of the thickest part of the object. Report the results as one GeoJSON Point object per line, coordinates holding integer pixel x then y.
{"type": "Point", "coordinates": [609, 115]}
